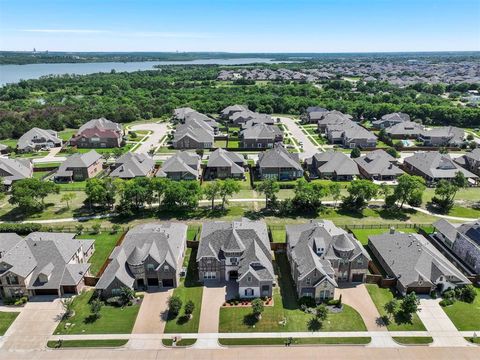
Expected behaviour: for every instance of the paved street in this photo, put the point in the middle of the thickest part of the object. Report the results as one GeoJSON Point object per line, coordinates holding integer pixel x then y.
{"type": "Point", "coordinates": [153, 311]}
{"type": "Point", "coordinates": [159, 130]}
{"type": "Point", "coordinates": [309, 149]}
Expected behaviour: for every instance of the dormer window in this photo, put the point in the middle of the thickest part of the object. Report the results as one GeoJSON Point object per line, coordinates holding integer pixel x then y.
{"type": "Point", "coordinates": [249, 279]}
{"type": "Point", "coordinates": [308, 281]}
{"type": "Point", "coordinates": [166, 267]}
{"type": "Point", "coordinates": [150, 266]}
{"type": "Point", "coordinates": [12, 279]}
{"type": "Point", "coordinates": [320, 251]}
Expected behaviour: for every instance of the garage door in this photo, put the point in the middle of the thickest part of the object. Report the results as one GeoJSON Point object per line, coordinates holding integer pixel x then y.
{"type": "Point", "coordinates": [46, 292]}
{"type": "Point", "coordinates": [152, 282]}
{"type": "Point", "coordinates": [357, 278]}
{"type": "Point", "coordinates": [167, 282]}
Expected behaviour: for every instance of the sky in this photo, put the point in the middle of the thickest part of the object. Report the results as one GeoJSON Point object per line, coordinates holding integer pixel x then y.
{"type": "Point", "coordinates": [240, 25]}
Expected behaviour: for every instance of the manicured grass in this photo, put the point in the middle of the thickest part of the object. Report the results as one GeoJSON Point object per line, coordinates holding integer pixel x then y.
{"type": "Point", "coordinates": [465, 316]}
{"type": "Point", "coordinates": [465, 212]}
{"type": "Point", "coordinates": [413, 340]}
{"type": "Point", "coordinates": [363, 234]}
{"type": "Point", "coordinates": [104, 245]}
{"type": "Point", "coordinates": [113, 320]}
{"type": "Point", "coordinates": [278, 235]}
{"type": "Point", "coordinates": [473, 340]}
{"type": "Point", "coordinates": [193, 230]}
{"type": "Point", "coordinates": [220, 143]}
{"type": "Point", "coordinates": [6, 319]}
{"type": "Point", "coordinates": [47, 165]}
{"type": "Point", "coordinates": [67, 134]}
{"type": "Point", "coordinates": [233, 144]}
{"type": "Point", "coordinates": [73, 186]}
{"type": "Point", "coordinates": [380, 297]}
{"type": "Point", "coordinates": [181, 342]}
{"type": "Point", "coordinates": [40, 174]}
{"type": "Point", "coordinates": [86, 343]}
{"type": "Point", "coordinates": [9, 142]}
{"type": "Point", "coordinates": [240, 319]}
{"type": "Point", "coordinates": [123, 149]}
{"type": "Point", "coordinates": [296, 341]}
{"type": "Point", "coordinates": [189, 289]}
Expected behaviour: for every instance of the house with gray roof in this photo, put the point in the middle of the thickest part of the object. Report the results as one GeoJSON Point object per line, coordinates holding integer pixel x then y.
{"type": "Point", "coordinates": [389, 120]}
{"type": "Point", "coordinates": [260, 136]}
{"type": "Point", "coordinates": [341, 130]}
{"type": "Point", "coordinates": [405, 130]}
{"type": "Point", "coordinates": [378, 165]}
{"type": "Point", "coordinates": [279, 164]}
{"type": "Point", "coordinates": [470, 161]}
{"type": "Point", "coordinates": [201, 120]}
{"type": "Point", "coordinates": [80, 167]}
{"type": "Point", "coordinates": [238, 252]}
{"type": "Point", "coordinates": [183, 165]}
{"type": "Point", "coordinates": [434, 166]}
{"type": "Point", "coordinates": [232, 109]}
{"type": "Point", "coordinates": [321, 256]}
{"type": "Point", "coordinates": [131, 165]}
{"type": "Point", "coordinates": [443, 136]}
{"type": "Point", "coordinates": [43, 263]}
{"type": "Point", "coordinates": [12, 170]}
{"type": "Point", "coordinates": [331, 118]}
{"type": "Point", "coordinates": [195, 133]}
{"type": "Point", "coordinates": [37, 139]}
{"type": "Point", "coordinates": [414, 262]}
{"type": "Point", "coordinates": [333, 165]}
{"type": "Point", "coordinates": [224, 164]}
{"type": "Point", "coordinates": [150, 257]}
{"type": "Point", "coordinates": [313, 114]}
{"type": "Point", "coordinates": [98, 133]}
{"type": "Point", "coordinates": [463, 240]}
{"type": "Point", "coordinates": [181, 113]}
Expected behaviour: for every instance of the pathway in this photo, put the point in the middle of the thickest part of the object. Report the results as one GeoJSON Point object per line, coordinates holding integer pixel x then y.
{"type": "Point", "coordinates": [309, 149]}
{"type": "Point", "coordinates": [212, 299]}
{"type": "Point", "coordinates": [151, 318]}
{"type": "Point", "coordinates": [159, 130]}
{"type": "Point", "coordinates": [50, 157]}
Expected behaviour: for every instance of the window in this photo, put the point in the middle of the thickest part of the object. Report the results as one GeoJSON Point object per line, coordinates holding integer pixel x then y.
{"type": "Point", "coordinates": [116, 292]}
{"type": "Point", "coordinates": [359, 262]}
{"type": "Point", "coordinates": [209, 275]}
{"type": "Point", "coordinates": [249, 292]}
{"type": "Point", "coordinates": [249, 278]}
{"type": "Point", "coordinates": [309, 281]}
{"type": "Point", "coordinates": [12, 280]}
{"type": "Point", "coordinates": [166, 268]}
{"type": "Point", "coordinates": [233, 261]}
{"type": "Point", "coordinates": [150, 267]}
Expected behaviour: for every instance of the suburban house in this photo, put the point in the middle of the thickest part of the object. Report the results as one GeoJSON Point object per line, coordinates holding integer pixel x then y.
{"type": "Point", "coordinates": [180, 114]}
{"type": "Point", "coordinates": [237, 251]}
{"type": "Point", "coordinates": [12, 170]}
{"type": "Point", "coordinates": [225, 164]}
{"type": "Point", "coordinates": [405, 130]}
{"type": "Point", "coordinates": [183, 165]}
{"type": "Point", "coordinates": [279, 164]}
{"type": "Point", "coordinates": [193, 134]}
{"type": "Point", "coordinates": [462, 239]}
{"type": "Point", "coordinates": [43, 263]}
{"type": "Point", "coordinates": [470, 161]}
{"type": "Point", "coordinates": [260, 136]}
{"type": "Point", "coordinates": [390, 120]}
{"type": "Point", "coordinates": [350, 134]}
{"type": "Point", "coordinates": [201, 120]}
{"type": "Point", "coordinates": [434, 166]}
{"type": "Point", "coordinates": [443, 136]}
{"type": "Point", "coordinates": [415, 263]}
{"type": "Point", "coordinates": [38, 139]}
{"type": "Point", "coordinates": [378, 165]}
{"type": "Point", "coordinates": [333, 165]}
{"type": "Point", "coordinates": [149, 257]}
{"type": "Point", "coordinates": [322, 255]}
{"type": "Point", "coordinates": [313, 114]}
{"type": "Point", "coordinates": [232, 109]}
{"type": "Point", "coordinates": [79, 167]}
{"type": "Point", "coordinates": [331, 118]}
{"type": "Point", "coordinates": [130, 165]}
{"type": "Point", "coordinates": [98, 133]}
{"type": "Point", "coordinates": [241, 117]}
{"type": "Point", "coordinates": [259, 119]}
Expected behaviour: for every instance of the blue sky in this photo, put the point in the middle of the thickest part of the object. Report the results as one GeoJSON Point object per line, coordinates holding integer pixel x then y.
{"type": "Point", "coordinates": [240, 25]}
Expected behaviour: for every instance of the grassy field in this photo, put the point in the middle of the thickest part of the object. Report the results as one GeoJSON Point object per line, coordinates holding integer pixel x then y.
{"type": "Point", "coordinates": [380, 297]}
{"type": "Point", "coordinates": [87, 343]}
{"type": "Point", "coordinates": [113, 320]}
{"type": "Point", "coordinates": [363, 234]}
{"type": "Point", "coordinates": [189, 289]}
{"type": "Point", "coordinates": [413, 340]}
{"type": "Point", "coordinates": [465, 316]}
{"type": "Point", "coordinates": [104, 244]}
{"type": "Point", "coordinates": [296, 341]}
{"type": "Point", "coordinates": [6, 319]}
{"type": "Point", "coordinates": [241, 319]}
{"type": "Point", "coordinates": [66, 134]}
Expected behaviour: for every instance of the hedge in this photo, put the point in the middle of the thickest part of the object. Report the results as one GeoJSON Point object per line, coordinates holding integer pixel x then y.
{"type": "Point", "coordinates": [20, 228]}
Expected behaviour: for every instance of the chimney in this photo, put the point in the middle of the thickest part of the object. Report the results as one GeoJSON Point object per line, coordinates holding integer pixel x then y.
{"type": "Point", "coordinates": [392, 230]}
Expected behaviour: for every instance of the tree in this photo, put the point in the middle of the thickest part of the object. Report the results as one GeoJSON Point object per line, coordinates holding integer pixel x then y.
{"type": "Point", "coordinates": [127, 294]}
{"type": "Point", "coordinates": [182, 195]}
{"type": "Point", "coordinates": [29, 194]}
{"type": "Point", "coordinates": [392, 152]}
{"type": "Point", "coordinates": [391, 308]}
{"type": "Point", "coordinates": [444, 193]}
{"type": "Point", "coordinates": [384, 190]}
{"type": "Point", "coordinates": [96, 228]}
{"type": "Point", "coordinates": [228, 188]}
{"type": "Point", "coordinates": [79, 229]}
{"type": "Point", "coordinates": [360, 192]}
{"type": "Point", "coordinates": [174, 305]}
{"type": "Point", "coordinates": [67, 197]}
{"type": "Point", "coordinates": [355, 153]}
{"type": "Point", "coordinates": [101, 192]}
{"type": "Point", "coordinates": [321, 312]}
{"type": "Point", "coordinates": [409, 189]}
{"type": "Point", "coordinates": [211, 191]}
{"type": "Point", "coordinates": [158, 186]}
{"type": "Point", "coordinates": [409, 304]}
{"type": "Point", "coordinates": [189, 308]}
{"type": "Point", "coordinates": [468, 294]}
{"type": "Point", "coordinates": [115, 228]}
{"type": "Point", "coordinates": [95, 308]}
{"type": "Point", "coordinates": [460, 181]}
{"type": "Point", "coordinates": [308, 195]}
{"type": "Point", "coordinates": [269, 188]}
{"type": "Point", "coordinates": [335, 192]}
{"type": "Point", "coordinates": [257, 308]}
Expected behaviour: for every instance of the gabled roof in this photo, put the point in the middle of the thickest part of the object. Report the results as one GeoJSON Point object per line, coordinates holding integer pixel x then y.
{"type": "Point", "coordinates": [379, 162]}
{"type": "Point", "coordinates": [470, 231]}
{"type": "Point", "coordinates": [131, 165]}
{"type": "Point", "coordinates": [408, 128]}
{"type": "Point", "coordinates": [181, 113]}
{"type": "Point", "coordinates": [40, 135]}
{"type": "Point", "coordinates": [15, 169]}
{"type": "Point", "coordinates": [436, 165]}
{"type": "Point", "coordinates": [79, 160]}
{"type": "Point", "coordinates": [335, 162]}
{"type": "Point", "coordinates": [453, 134]}
{"type": "Point", "coordinates": [261, 131]}
{"type": "Point", "coordinates": [233, 109]}
{"type": "Point", "coordinates": [182, 161]}
{"type": "Point", "coordinates": [224, 158]}
{"type": "Point", "coordinates": [279, 157]}
{"type": "Point", "coordinates": [101, 124]}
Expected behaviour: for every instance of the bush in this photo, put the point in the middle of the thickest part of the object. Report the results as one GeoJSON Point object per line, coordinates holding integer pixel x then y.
{"type": "Point", "coordinates": [307, 301]}
{"type": "Point", "coordinates": [115, 301]}
{"type": "Point", "coordinates": [468, 294]}
{"type": "Point", "coordinates": [189, 307]}
{"type": "Point", "coordinates": [174, 305]}
{"type": "Point", "coordinates": [333, 302]}
{"type": "Point", "coordinates": [15, 301]}
{"type": "Point", "coordinates": [96, 228]}
{"type": "Point", "coordinates": [446, 302]}
{"type": "Point", "coordinates": [449, 294]}
{"type": "Point", "coordinates": [20, 229]}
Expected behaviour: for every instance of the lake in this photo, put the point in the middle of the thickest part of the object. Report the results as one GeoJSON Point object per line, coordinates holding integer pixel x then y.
{"type": "Point", "coordinates": [15, 73]}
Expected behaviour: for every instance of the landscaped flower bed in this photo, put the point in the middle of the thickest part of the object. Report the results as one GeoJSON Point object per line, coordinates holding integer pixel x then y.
{"type": "Point", "coordinates": [267, 301]}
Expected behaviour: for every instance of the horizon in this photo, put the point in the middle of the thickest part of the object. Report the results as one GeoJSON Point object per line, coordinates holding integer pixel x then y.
{"type": "Point", "coordinates": [248, 26]}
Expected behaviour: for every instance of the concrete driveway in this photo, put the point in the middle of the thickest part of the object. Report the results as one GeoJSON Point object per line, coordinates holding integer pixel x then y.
{"type": "Point", "coordinates": [32, 328]}
{"type": "Point", "coordinates": [309, 149]}
{"type": "Point", "coordinates": [357, 297]}
{"type": "Point", "coordinates": [212, 299]}
{"type": "Point", "coordinates": [159, 130]}
{"type": "Point", "coordinates": [152, 316]}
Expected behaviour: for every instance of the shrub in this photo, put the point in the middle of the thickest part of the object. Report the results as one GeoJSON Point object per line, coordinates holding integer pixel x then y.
{"type": "Point", "coordinates": [307, 301]}
{"type": "Point", "coordinates": [174, 305]}
{"type": "Point", "coordinates": [333, 302]}
{"type": "Point", "coordinates": [115, 301]}
{"type": "Point", "coordinates": [189, 307]}
{"type": "Point", "coordinates": [257, 306]}
{"type": "Point", "coordinates": [115, 228]}
{"type": "Point", "coordinates": [468, 294]}
{"type": "Point", "coordinates": [449, 294]}
{"type": "Point", "coordinates": [96, 228]}
{"type": "Point", "coordinates": [446, 302]}
{"type": "Point", "coordinates": [21, 229]}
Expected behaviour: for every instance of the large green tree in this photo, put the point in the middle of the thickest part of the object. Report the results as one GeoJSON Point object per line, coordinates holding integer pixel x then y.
{"type": "Point", "coordinates": [29, 194]}
{"type": "Point", "coordinates": [270, 188]}
{"type": "Point", "coordinates": [360, 192]}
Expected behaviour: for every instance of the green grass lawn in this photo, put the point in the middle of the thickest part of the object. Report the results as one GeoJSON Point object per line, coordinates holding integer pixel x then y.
{"type": "Point", "coordinates": [181, 342]}
{"type": "Point", "coordinates": [473, 340]}
{"type": "Point", "coordinates": [464, 212]}
{"type": "Point", "coordinates": [6, 319]}
{"type": "Point", "coordinates": [47, 165]}
{"type": "Point", "coordinates": [86, 343]}
{"type": "Point", "coordinates": [413, 340]}
{"type": "Point", "coordinates": [40, 174]}
{"type": "Point", "coordinates": [72, 186]}
{"type": "Point", "coordinates": [380, 297]}
{"type": "Point", "coordinates": [104, 244]}
{"type": "Point", "coordinates": [240, 319]}
{"type": "Point", "coordinates": [220, 143]}
{"type": "Point", "coordinates": [363, 234]}
{"type": "Point", "coordinates": [66, 134]}
{"type": "Point", "coordinates": [465, 316]}
{"type": "Point", "coordinates": [189, 289]}
{"type": "Point", "coordinates": [9, 142]}
{"type": "Point", "coordinates": [123, 149]}
{"type": "Point", "coordinates": [192, 231]}
{"type": "Point", "coordinates": [296, 341]}
{"type": "Point", "coordinates": [113, 320]}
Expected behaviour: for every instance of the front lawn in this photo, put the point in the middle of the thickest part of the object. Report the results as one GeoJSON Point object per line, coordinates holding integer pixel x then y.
{"type": "Point", "coordinates": [296, 341]}
{"type": "Point", "coordinates": [86, 343]}
{"type": "Point", "coordinates": [380, 297]}
{"type": "Point", "coordinates": [465, 316]}
{"type": "Point", "coordinates": [6, 319]}
{"type": "Point", "coordinates": [413, 340]}
{"type": "Point", "coordinates": [113, 320]}
{"type": "Point", "coordinates": [181, 342]}
{"type": "Point", "coordinates": [104, 245]}
{"type": "Point", "coordinates": [285, 309]}
{"type": "Point", "coordinates": [189, 289]}
{"type": "Point", "coordinates": [363, 234]}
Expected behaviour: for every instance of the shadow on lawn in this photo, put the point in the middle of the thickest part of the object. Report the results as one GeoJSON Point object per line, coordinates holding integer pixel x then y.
{"type": "Point", "coordinates": [287, 289]}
